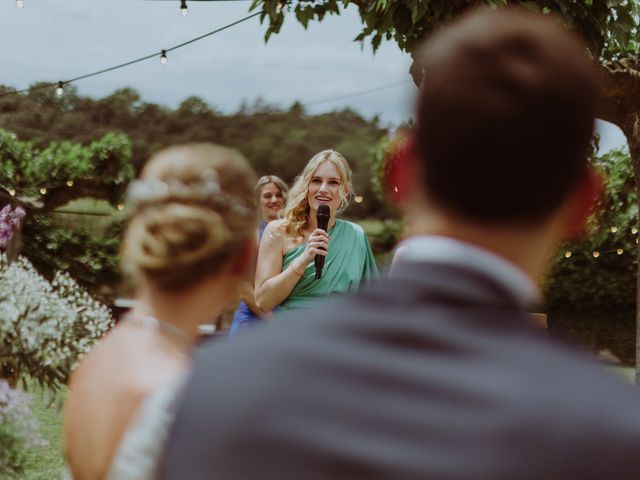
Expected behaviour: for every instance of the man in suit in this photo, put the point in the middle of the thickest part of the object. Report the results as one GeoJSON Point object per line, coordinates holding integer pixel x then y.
{"type": "Point", "coordinates": [437, 372]}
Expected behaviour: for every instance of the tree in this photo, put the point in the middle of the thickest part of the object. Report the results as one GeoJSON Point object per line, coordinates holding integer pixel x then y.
{"type": "Point", "coordinates": [611, 29]}
{"type": "Point", "coordinates": [43, 179]}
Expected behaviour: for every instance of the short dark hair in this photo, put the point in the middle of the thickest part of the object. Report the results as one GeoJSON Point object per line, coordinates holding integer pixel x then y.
{"type": "Point", "coordinates": [505, 116]}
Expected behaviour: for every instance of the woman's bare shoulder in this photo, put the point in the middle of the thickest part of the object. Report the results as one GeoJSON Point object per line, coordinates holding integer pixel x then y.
{"type": "Point", "coordinates": [276, 226]}
{"type": "Point", "coordinates": [275, 231]}
{"type": "Point", "coordinates": [106, 390]}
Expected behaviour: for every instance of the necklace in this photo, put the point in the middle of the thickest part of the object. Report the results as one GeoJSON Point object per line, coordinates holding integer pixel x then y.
{"type": "Point", "coordinates": [150, 322]}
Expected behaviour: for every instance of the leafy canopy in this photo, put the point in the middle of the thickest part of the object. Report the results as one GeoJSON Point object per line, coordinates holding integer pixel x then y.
{"type": "Point", "coordinates": [610, 27]}
{"type": "Point", "coordinates": [66, 169]}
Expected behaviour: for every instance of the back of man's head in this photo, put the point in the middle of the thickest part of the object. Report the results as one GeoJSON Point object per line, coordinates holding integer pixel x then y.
{"type": "Point", "coordinates": [505, 116]}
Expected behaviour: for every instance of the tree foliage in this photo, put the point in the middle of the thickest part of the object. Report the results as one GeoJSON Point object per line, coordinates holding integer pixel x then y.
{"type": "Point", "coordinates": [591, 285]}
{"type": "Point", "coordinates": [275, 140]}
{"type": "Point", "coordinates": [580, 281]}
{"type": "Point", "coordinates": [610, 27]}
{"type": "Point", "coordinates": [66, 170]}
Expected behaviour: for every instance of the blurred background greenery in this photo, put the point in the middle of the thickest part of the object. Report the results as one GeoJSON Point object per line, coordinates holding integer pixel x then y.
{"type": "Point", "coordinates": [589, 293]}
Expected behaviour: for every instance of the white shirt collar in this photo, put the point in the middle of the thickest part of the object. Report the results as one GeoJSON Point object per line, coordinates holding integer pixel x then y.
{"type": "Point", "coordinates": [440, 249]}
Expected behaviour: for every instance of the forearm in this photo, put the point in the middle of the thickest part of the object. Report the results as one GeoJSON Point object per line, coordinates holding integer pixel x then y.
{"type": "Point", "coordinates": [250, 299]}
{"type": "Point", "coordinates": [276, 289]}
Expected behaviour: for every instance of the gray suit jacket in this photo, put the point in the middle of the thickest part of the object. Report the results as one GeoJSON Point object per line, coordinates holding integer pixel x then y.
{"type": "Point", "coordinates": [437, 374]}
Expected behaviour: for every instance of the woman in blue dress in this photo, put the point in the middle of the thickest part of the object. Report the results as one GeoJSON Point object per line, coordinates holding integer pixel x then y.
{"type": "Point", "coordinates": [271, 195]}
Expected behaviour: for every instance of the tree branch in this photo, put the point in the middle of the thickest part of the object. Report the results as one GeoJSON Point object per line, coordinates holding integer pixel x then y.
{"type": "Point", "coordinates": [621, 90]}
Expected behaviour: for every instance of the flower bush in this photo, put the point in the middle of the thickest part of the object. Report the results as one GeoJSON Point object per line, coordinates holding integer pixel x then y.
{"type": "Point", "coordinates": [18, 430]}
{"type": "Point", "coordinates": [46, 326]}
{"type": "Point", "coordinates": [10, 220]}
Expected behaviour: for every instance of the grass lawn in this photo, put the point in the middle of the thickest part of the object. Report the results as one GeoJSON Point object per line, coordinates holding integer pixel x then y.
{"type": "Point", "coordinates": [47, 463]}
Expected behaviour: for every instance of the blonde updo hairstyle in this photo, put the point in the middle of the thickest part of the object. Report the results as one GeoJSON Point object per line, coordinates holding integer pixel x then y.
{"type": "Point", "coordinates": [189, 231]}
{"type": "Point", "coordinates": [296, 211]}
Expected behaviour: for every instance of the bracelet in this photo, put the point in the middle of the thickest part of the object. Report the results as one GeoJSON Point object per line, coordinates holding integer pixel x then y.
{"type": "Point", "coordinates": [295, 271]}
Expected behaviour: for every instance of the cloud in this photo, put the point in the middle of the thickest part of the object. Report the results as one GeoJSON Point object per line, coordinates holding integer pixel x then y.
{"type": "Point", "coordinates": [60, 39]}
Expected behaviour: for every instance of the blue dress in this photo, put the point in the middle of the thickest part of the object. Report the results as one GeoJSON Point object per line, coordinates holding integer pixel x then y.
{"type": "Point", "coordinates": [244, 317]}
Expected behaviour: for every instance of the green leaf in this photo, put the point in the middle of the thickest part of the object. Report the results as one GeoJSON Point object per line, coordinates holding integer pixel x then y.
{"type": "Point", "coordinates": [375, 41]}
{"type": "Point", "coordinates": [402, 19]}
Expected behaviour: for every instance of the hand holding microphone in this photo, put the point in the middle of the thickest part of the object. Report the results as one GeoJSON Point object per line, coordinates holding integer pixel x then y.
{"type": "Point", "coordinates": [322, 217]}
{"type": "Point", "coordinates": [318, 243]}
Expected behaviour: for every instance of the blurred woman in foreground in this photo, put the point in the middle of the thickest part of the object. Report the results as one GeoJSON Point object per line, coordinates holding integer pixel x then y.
{"type": "Point", "coordinates": [285, 273]}
{"type": "Point", "coordinates": [190, 240]}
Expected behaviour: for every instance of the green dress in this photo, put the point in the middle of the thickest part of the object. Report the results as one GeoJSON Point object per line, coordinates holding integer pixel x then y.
{"type": "Point", "coordinates": [349, 263]}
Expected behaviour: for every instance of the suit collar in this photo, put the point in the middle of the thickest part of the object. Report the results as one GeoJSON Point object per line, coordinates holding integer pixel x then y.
{"type": "Point", "coordinates": [470, 258]}
{"type": "Point", "coordinates": [454, 283]}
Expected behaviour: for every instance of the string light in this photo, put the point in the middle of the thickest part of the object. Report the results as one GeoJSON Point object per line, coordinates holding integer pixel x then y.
{"type": "Point", "coordinates": [69, 183]}
{"type": "Point", "coordinates": [12, 192]}
{"type": "Point", "coordinates": [60, 89]}
{"type": "Point", "coordinates": [137, 60]}
{"type": "Point", "coordinates": [43, 190]}
{"type": "Point", "coordinates": [634, 230]}
{"type": "Point", "coordinates": [395, 189]}
{"type": "Point", "coordinates": [121, 206]}
{"type": "Point", "coordinates": [596, 254]}
{"type": "Point", "coordinates": [567, 254]}
{"type": "Point", "coordinates": [358, 198]}
{"type": "Point", "coordinates": [19, 3]}
{"type": "Point", "coordinates": [614, 229]}
{"type": "Point", "coordinates": [183, 8]}
{"type": "Point", "coordinates": [619, 251]}
{"type": "Point", "coordinates": [163, 57]}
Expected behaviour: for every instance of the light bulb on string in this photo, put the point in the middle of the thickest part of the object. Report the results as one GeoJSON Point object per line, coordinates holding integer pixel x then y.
{"type": "Point", "coordinates": [183, 8]}
{"type": "Point", "coordinates": [163, 57]}
{"type": "Point", "coordinates": [596, 254]}
{"type": "Point", "coordinates": [395, 189]}
{"type": "Point", "coordinates": [614, 229]}
{"type": "Point", "coordinates": [634, 231]}
{"type": "Point", "coordinates": [121, 206]}
{"type": "Point", "coordinates": [43, 190]}
{"type": "Point", "coordinates": [60, 89]}
{"type": "Point", "coordinates": [619, 251]}
{"type": "Point", "coordinates": [567, 254]}
{"type": "Point", "coordinates": [12, 192]}
{"type": "Point", "coordinates": [358, 198]}
{"type": "Point", "coordinates": [19, 3]}
{"type": "Point", "coordinates": [69, 183]}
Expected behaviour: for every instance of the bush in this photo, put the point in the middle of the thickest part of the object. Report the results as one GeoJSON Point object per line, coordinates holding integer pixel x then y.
{"type": "Point", "coordinates": [93, 261]}
{"type": "Point", "coordinates": [45, 326]}
{"type": "Point", "coordinates": [590, 289]}
{"type": "Point", "coordinates": [18, 431]}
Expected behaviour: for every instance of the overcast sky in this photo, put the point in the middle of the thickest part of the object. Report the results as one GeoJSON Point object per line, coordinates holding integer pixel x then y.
{"type": "Point", "coordinates": [54, 40]}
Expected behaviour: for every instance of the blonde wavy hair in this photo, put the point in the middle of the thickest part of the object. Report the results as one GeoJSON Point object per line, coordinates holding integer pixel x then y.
{"type": "Point", "coordinates": [295, 214]}
{"type": "Point", "coordinates": [277, 181]}
{"type": "Point", "coordinates": [194, 210]}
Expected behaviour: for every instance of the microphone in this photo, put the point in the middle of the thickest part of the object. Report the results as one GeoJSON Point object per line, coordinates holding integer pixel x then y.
{"type": "Point", "coordinates": [322, 218]}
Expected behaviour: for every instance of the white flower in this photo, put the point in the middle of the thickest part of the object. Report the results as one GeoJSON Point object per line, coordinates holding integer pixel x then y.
{"type": "Point", "coordinates": [45, 327]}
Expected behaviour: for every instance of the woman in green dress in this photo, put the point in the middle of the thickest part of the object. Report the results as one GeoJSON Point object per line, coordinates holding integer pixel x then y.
{"type": "Point", "coordinates": [285, 272]}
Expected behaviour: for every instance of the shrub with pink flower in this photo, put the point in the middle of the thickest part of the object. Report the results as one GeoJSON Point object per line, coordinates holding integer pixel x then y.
{"type": "Point", "coordinates": [10, 220]}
